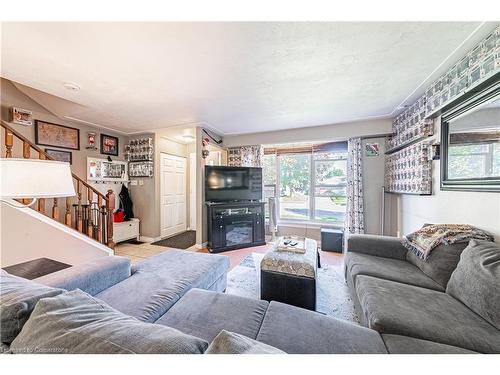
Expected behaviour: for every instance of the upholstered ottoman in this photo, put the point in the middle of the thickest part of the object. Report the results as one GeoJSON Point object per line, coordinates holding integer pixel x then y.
{"type": "Point", "coordinates": [290, 277]}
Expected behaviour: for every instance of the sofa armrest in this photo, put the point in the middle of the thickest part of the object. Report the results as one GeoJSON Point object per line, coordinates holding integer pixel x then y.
{"type": "Point", "coordinates": [91, 277]}
{"type": "Point", "coordinates": [380, 246]}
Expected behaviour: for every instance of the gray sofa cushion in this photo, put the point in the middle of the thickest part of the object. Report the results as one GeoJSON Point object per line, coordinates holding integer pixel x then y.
{"type": "Point", "coordinates": [77, 323]}
{"type": "Point", "coordinates": [389, 269]}
{"type": "Point", "coordinates": [232, 343]}
{"type": "Point", "coordinates": [91, 277]}
{"type": "Point", "coordinates": [204, 314]}
{"type": "Point", "coordinates": [476, 281]}
{"type": "Point", "coordinates": [380, 246]}
{"type": "Point", "coordinates": [407, 310]}
{"type": "Point", "coordinates": [441, 262]}
{"type": "Point", "coordinates": [299, 331]}
{"type": "Point", "coordinates": [18, 298]}
{"type": "Point", "coordinates": [161, 280]}
{"type": "Point", "coordinates": [396, 344]}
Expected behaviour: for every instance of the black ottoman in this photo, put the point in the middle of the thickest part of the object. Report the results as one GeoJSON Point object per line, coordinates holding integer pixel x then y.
{"type": "Point", "coordinates": [290, 277]}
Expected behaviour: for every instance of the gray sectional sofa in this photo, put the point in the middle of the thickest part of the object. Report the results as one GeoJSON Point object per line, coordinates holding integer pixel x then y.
{"type": "Point", "coordinates": [176, 289]}
{"type": "Point", "coordinates": [181, 293]}
{"type": "Point", "coordinates": [447, 304]}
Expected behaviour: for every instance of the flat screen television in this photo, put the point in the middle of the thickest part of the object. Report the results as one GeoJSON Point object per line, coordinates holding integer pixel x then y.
{"type": "Point", "coordinates": [232, 184]}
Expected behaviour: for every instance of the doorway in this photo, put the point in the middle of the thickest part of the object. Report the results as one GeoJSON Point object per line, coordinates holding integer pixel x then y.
{"type": "Point", "coordinates": [172, 195]}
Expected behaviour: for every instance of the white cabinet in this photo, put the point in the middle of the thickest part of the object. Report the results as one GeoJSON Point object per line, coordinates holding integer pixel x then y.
{"type": "Point", "coordinates": [126, 230]}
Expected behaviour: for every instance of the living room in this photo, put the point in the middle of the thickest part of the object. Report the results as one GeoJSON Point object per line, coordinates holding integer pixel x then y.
{"type": "Point", "coordinates": [209, 187]}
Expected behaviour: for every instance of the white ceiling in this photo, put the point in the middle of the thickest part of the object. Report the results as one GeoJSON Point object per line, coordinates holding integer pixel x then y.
{"type": "Point", "coordinates": [232, 77]}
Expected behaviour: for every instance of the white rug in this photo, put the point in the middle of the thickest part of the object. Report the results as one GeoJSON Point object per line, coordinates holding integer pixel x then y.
{"type": "Point", "coordinates": [332, 294]}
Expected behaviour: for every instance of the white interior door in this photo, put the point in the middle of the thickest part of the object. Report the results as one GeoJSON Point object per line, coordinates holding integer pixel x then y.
{"type": "Point", "coordinates": [172, 194]}
{"type": "Point", "coordinates": [192, 191]}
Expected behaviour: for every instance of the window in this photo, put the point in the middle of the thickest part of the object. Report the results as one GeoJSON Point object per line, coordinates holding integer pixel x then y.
{"type": "Point", "coordinates": [329, 187]}
{"type": "Point", "coordinates": [311, 185]}
{"type": "Point", "coordinates": [295, 178]}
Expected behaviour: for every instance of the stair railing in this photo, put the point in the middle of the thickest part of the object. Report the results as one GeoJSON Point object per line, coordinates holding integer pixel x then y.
{"type": "Point", "coordinates": [92, 212]}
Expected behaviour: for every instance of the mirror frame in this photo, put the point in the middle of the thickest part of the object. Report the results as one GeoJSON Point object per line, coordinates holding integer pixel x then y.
{"type": "Point", "coordinates": [465, 105]}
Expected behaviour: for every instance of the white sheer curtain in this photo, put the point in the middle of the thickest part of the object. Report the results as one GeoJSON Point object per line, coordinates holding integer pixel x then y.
{"type": "Point", "coordinates": [354, 216]}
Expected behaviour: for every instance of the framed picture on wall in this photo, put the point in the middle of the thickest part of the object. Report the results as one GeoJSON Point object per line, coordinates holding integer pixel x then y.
{"type": "Point", "coordinates": [48, 134]}
{"type": "Point", "coordinates": [21, 116]}
{"type": "Point", "coordinates": [109, 145]}
{"type": "Point", "coordinates": [59, 155]}
{"type": "Point", "coordinates": [372, 149]}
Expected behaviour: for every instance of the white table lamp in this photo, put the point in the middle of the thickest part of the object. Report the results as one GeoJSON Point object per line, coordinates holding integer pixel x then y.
{"type": "Point", "coordinates": [34, 178]}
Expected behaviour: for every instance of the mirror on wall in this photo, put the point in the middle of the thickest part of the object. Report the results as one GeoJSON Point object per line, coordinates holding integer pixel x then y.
{"type": "Point", "coordinates": [471, 148]}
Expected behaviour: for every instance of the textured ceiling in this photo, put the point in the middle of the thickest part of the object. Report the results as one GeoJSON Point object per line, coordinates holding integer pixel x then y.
{"type": "Point", "coordinates": [233, 77]}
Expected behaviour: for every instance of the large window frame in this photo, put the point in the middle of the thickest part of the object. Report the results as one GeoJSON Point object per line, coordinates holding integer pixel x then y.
{"type": "Point", "coordinates": [313, 186]}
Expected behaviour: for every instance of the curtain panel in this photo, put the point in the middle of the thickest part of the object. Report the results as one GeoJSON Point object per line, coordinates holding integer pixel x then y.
{"type": "Point", "coordinates": [354, 217]}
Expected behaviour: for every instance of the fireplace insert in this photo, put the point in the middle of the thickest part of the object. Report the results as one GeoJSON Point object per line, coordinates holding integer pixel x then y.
{"type": "Point", "coordinates": [235, 225]}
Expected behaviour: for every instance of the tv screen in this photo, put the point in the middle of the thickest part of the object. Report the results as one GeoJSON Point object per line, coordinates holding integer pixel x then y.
{"type": "Point", "coordinates": [232, 183]}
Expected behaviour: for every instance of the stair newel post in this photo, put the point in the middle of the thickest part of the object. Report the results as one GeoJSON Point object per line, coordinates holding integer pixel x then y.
{"type": "Point", "coordinates": [79, 223]}
{"type": "Point", "coordinates": [99, 222]}
{"type": "Point", "coordinates": [110, 208]}
{"type": "Point", "coordinates": [26, 155]}
{"type": "Point", "coordinates": [90, 196]}
{"type": "Point", "coordinates": [41, 201]}
{"type": "Point", "coordinates": [9, 142]}
{"type": "Point", "coordinates": [67, 215]}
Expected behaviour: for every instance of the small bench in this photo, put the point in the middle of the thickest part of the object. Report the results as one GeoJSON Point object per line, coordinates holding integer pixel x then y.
{"type": "Point", "coordinates": [290, 277]}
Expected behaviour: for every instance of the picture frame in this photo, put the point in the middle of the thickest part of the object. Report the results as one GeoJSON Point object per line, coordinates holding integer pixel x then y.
{"type": "Point", "coordinates": [109, 145]}
{"type": "Point", "coordinates": [372, 149]}
{"type": "Point", "coordinates": [50, 134]}
{"type": "Point", "coordinates": [60, 155]}
{"type": "Point", "coordinates": [21, 116]}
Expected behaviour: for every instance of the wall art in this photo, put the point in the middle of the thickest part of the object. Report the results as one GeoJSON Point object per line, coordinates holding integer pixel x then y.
{"type": "Point", "coordinates": [59, 155]}
{"type": "Point", "coordinates": [49, 134]}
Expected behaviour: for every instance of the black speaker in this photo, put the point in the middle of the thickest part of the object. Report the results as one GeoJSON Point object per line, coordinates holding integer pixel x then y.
{"type": "Point", "coordinates": [332, 240]}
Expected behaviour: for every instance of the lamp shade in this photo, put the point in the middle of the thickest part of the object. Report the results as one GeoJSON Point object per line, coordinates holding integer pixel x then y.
{"type": "Point", "coordinates": [33, 178]}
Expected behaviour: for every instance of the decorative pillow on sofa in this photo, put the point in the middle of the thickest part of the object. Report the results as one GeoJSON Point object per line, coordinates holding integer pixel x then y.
{"type": "Point", "coordinates": [441, 262]}
{"type": "Point", "coordinates": [476, 280]}
{"type": "Point", "coordinates": [75, 322]}
{"type": "Point", "coordinates": [232, 343]}
{"type": "Point", "coordinates": [18, 297]}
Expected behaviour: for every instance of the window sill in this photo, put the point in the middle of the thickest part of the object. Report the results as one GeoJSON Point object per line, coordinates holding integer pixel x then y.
{"type": "Point", "coordinates": [307, 223]}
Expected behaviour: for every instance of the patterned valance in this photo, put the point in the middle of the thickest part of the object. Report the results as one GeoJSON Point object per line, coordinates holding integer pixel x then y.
{"type": "Point", "coordinates": [245, 156]}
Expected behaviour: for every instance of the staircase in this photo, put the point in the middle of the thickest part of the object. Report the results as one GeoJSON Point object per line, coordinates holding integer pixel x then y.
{"type": "Point", "coordinates": [90, 212]}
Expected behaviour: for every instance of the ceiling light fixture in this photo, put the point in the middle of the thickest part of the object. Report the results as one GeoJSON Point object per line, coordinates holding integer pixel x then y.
{"type": "Point", "coordinates": [71, 86]}
{"type": "Point", "coordinates": [188, 137]}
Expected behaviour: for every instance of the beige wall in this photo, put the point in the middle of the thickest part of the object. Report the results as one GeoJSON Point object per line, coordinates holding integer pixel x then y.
{"type": "Point", "coordinates": [146, 197]}
{"type": "Point", "coordinates": [11, 96]}
{"type": "Point", "coordinates": [313, 134]}
{"type": "Point", "coordinates": [373, 181]}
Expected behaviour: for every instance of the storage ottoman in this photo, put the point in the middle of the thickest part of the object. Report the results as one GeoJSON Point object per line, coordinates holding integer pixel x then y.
{"type": "Point", "coordinates": [290, 277]}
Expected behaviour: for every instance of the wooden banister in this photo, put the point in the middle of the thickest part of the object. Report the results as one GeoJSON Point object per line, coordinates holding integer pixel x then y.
{"type": "Point", "coordinates": [102, 230]}
{"type": "Point", "coordinates": [9, 141]}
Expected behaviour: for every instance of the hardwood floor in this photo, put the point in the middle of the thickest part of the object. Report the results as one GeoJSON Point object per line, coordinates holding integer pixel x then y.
{"type": "Point", "coordinates": [140, 252]}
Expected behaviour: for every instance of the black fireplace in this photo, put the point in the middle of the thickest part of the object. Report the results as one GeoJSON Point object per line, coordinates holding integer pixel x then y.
{"type": "Point", "coordinates": [234, 225]}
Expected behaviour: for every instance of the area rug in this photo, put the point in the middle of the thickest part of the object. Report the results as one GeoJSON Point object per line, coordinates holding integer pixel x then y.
{"type": "Point", "coordinates": [183, 240]}
{"type": "Point", "coordinates": [332, 294]}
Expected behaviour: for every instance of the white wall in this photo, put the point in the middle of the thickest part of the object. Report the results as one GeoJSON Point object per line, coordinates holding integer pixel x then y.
{"type": "Point", "coordinates": [313, 134]}
{"type": "Point", "coordinates": [27, 235]}
{"type": "Point", "coordinates": [475, 208]}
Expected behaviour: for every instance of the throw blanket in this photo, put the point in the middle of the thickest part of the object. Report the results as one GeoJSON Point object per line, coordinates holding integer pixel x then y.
{"type": "Point", "coordinates": [424, 240]}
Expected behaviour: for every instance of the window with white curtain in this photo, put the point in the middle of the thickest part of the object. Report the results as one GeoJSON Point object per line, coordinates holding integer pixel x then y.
{"type": "Point", "coordinates": [309, 181]}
